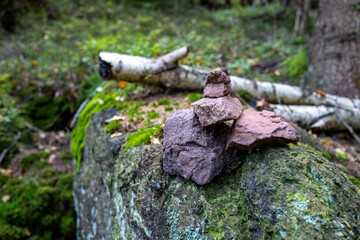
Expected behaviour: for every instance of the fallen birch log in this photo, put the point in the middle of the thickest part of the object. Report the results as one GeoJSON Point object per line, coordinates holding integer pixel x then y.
{"type": "Point", "coordinates": [164, 71]}
{"type": "Point", "coordinates": [318, 117]}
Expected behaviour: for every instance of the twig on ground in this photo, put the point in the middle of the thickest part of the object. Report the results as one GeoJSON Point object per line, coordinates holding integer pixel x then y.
{"type": "Point", "coordinates": [82, 106]}
{"type": "Point", "coordinates": [20, 134]}
{"type": "Point", "coordinates": [351, 130]}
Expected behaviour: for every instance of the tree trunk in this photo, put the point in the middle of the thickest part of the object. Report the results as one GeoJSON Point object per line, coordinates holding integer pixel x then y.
{"type": "Point", "coordinates": [334, 50]}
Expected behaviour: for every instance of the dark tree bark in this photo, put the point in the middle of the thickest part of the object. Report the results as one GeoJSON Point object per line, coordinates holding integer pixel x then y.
{"type": "Point", "coordinates": [334, 50]}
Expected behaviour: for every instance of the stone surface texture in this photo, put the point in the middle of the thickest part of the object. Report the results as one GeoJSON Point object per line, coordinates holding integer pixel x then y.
{"type": "Point", "coordinates": [217, 110]}
{"type": "Point", "coordinates": [255, 129]}
{"type": "Point", "coordinates": [216, 77]}
{"type": "Point", "coordinates": [277, 193]}
{"type": "Point", "coordinates": [192, 151]}
{"type": "Point", "coordinates": [217, 90]}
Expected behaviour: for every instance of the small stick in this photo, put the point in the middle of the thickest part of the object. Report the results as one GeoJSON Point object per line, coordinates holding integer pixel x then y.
{"type": "Point", "coordinates": [351, 130]}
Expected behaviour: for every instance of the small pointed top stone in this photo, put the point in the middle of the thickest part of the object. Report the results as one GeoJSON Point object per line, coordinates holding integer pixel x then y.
{"type": "Point", "coordinates": [217, 76]}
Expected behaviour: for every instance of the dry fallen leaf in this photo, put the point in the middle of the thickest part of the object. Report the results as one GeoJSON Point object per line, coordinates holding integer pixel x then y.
{"type": "Point", "coordinates": [261, 103]}
{"type": "Point", "coordinates": [52, 158]}
{"type": "Point", "coordinates": [115, 118]}
{"type": "Point", "coordinates": [340, 149]}
{"type": "Point", "coordinates": [27, 232]}
{"type": "Point", "coordinates": [239, 70]}
{"type": "Point", "coordinates": [5, 198]}
{"type": "Point", "coordinates": [154, 140]}
{"type": "Point", "coordinates": [119, 99]}
{"type": "Point", "coordinates": [42, 135]}
{"type": "Point", "coordinates": [114, 135]}
{"type": "Point", "coordinates": [321, 93]}
{"type": "Point", "coordinates": [6, 172]}
{"type": "Point", "coordinates": [123, 84]}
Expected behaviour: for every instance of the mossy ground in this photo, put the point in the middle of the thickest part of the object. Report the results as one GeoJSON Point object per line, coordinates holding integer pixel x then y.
{"type": "Point", "coordinates": [39, 205]}
{"type": "Point", "coordinates": [296, 65]}
{"type": "Point", "coordinates": [142, 136]}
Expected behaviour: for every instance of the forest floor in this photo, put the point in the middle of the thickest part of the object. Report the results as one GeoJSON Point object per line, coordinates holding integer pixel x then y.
{"type": "Point", "coordinates": [49, 67]}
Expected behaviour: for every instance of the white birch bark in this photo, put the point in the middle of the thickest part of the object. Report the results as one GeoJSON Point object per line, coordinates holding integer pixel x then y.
{"type": "Point", "coordinates": [318, 117]}
{"type": "Point", "coordinates": [164, 71]}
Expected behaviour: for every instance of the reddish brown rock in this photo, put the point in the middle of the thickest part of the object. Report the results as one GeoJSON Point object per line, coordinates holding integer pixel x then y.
{"type": "Point", "coordinates": [217, 76]}
{"type": "Point", "coordinates": [212, 111]}
{"type": "Point", "coordinates": [217, 90]}
{"type": "Point", "coordinates": [254, 129]}
{"type": "Point", "coordinates": [192, 151]}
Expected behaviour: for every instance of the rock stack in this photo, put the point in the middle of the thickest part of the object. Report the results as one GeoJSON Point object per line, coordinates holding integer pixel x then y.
{"type": "Point", "coordinates": [198, 144]}
{"type": "Point", "coordinates": [217, 106]}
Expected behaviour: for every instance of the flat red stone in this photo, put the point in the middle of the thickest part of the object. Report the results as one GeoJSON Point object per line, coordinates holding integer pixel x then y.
{"type": "Point", "coordinates": [254, 129]}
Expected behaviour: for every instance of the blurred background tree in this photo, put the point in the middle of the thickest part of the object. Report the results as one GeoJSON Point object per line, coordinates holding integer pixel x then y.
{"type": "Point", "coordinates": [334, 49]}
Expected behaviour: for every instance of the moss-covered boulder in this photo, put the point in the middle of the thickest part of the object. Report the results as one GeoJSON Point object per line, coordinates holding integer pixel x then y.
{"type": "Point", "coordinates": [277, 193]}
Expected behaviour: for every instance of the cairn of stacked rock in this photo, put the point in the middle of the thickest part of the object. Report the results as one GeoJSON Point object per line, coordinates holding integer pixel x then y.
{"type": "Point", "coordinates": [198, 144]}
{"type": "Point", "coordinates": [217, 106]}
{"type": "Point", "coordinates": [192, 151]}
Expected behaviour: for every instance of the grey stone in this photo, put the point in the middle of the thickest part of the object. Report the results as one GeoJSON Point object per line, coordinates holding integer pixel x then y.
{"type": "Point", "coordinates": [217, 90]}
{"type": "Point", "coordinates": [192, 151]}
{"type": "Point", "coordinates": [255, 129]}
{"type": "Point", "coordinates": [212, 111]}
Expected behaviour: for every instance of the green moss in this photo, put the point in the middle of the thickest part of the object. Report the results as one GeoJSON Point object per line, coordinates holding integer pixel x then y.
{"type": "Point", "coordinates": [5, 143]}
{"type": "Point", "coordinates": [65, 155]}
{"type": "Point", "coordinates": [326, 155]}
{"type": "Point", "coordinates": [164, 102]}
{"type": "Point", "coordinates": [45, 111]}
{"type": "Point", "coordinates": [355, 180]}
{"type": "Point", "coordinates": [296, 65]}
{"type": "Point", "coordinates": [134, 108]}
{"type": "Point", "coordinates": [193, 97]}
{"type": "Point", "coordinates": [68, 225]}
{"type": "Point", "coordinates": [152, 114]}
{"type": "Point", "coordinates": [113, 126]}
{"type": "Point", "coordinates": [3, 179]}
{"type": "Point", "coordinates": [101, 101]}
{"type": "Point", "coordinates": [38, 160]}
{"type": "Point", "coordinates": [226, 204]}
{"type": "Point", "coordinates": [142, 136]}
{"type": "Point", "coordinates": [342, 158]}
{"type": "Point", "coordinates": [39, 206]}
{"type": "Point", "coordinates": [169, 109]}
{"type": "Point", "coordinates": [245, 94]}
{"type": "Point", "coordinates": [10, 232]}
{"type": "Point", "coordinates": [309, 148]}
